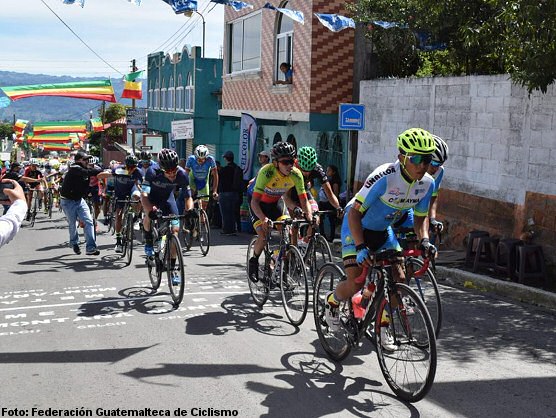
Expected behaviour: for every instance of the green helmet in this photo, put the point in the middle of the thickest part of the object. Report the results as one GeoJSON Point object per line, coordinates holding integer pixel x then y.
{"type": "Point", "coordinates": [307, 158]}
{"type": "Point", "coordinates": [416, 141]}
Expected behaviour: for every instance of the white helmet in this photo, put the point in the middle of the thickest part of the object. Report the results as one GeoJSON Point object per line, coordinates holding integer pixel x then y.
{"type": "Point", "coordinates": [201, 151]}
{"type": "Point", "coordinates": [440, 155]}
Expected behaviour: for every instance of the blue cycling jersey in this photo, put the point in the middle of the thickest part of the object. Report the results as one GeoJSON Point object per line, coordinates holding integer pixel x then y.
{"type": "Point", "coordinates": [124, 181]}
{"type": "Point", "coordinates": [387, 195]}
{"type": "Point", "coordinates": [438, 176]}
{"type": "Point", "coordinates": [160, 189]}
{"type": "Point", "coordinates": [200, 171]}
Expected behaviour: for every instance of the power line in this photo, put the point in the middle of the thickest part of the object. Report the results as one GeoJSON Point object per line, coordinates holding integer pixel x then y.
{"type": "Point", "coordinates": [78, 37]}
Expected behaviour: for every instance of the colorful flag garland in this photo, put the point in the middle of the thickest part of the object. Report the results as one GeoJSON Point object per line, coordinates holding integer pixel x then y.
{"type": "Point", "coordinates": [93, 90]}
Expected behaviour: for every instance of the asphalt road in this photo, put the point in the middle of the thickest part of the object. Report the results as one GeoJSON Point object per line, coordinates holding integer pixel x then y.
{"type": "Point", "coordinates": [86, 334]}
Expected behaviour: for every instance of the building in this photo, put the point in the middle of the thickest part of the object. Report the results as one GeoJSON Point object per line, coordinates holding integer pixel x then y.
{"type": "Point", "coordinates": [305, 112]}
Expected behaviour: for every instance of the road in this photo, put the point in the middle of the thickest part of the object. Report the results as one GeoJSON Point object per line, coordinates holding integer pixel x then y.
{"type": "Point", "coordinates": [86, 334]}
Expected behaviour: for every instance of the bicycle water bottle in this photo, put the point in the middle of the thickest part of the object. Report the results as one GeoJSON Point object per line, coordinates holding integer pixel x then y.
{"type": "Point", "coordinates": [361, 300]}
{"type": "Point", "coordinates": [162, 243]}
{"type": "Point", "coordinates": [274, 257]}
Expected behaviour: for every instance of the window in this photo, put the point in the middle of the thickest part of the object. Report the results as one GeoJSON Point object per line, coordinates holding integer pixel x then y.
{"type": "Point", "coordinates": [189, 94]}
{"type": "Point", "coordinates": [156, 103]}
{"type": "Point", "coordinates": [277, 138]}
{"type": "Point", "coordinates": [284, 44]}
{"type": "Point", "coordinates": [150, 99]}
{"type": "Point", "coordinates": [291, 140]}
{"type": "Point", "coordinates": [245, 44]}
{"type": "Point", "coordinates": [179, 94]}
{"type": "Point", "coordinates": [171, 96]}
{"type": "Point", "coordinates": [163, 96]}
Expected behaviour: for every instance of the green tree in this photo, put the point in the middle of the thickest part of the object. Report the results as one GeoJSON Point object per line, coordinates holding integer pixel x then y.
{"type": "Point", "coordinates": [6, 130]}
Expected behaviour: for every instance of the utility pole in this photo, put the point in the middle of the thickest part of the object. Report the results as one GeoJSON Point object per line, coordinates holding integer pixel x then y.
{"type": "Point", "coordinates": [133, 69]}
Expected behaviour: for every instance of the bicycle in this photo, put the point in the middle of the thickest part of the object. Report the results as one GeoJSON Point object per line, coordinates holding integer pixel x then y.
{"type": "Point", "coordinates": [283, 268]}
{"type": "Point", "coordinates": [199, 227]}
{"type": "Point", "coordinates": [317, 251]}
{"type": "Point", "coordinates": [34, 207]}
{"type": "Point", "coordinates": [127, 228]}
{"type": "Point", "coordinates": [165, 245]}
{"type": "Point", "coordinates": [395, 317]}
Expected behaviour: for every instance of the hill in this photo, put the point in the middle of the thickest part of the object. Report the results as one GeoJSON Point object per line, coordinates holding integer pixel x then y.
{"type": "Point", "coordinates": [55, 108]}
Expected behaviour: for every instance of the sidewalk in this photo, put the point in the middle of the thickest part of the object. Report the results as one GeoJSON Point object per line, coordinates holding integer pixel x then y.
{"type": "Point", "coordinates": [449, 271]}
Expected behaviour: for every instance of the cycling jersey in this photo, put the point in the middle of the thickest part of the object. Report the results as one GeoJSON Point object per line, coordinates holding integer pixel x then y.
{"type": "Point", "coordinates": [271, 184]}
{"type": "Point", "coordinates": [143, 170]}
{"type": "Point", "coordinates": [438, 176]}
{"type": "Point", "coordinates": [125, 181]}
{"type": "Point", "coordinates": [160, 189]}
{"type": "Point", "coordinates": [200, 172]}
{"type": "Point", "coordinates": [316, 173]}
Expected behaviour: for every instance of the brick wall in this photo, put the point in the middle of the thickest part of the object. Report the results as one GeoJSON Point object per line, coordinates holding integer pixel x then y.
{"type": "Point", "coordinates": [501, 170]}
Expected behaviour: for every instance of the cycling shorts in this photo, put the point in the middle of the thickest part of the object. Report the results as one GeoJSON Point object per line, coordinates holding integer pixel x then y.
{"type": "Point", "coordinates": [276, 211]}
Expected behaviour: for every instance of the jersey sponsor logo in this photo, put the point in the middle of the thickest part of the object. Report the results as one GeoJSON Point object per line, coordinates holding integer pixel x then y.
{"type": "Point", "coordinates": [395, 192]}
{"type": "Point", "coordinates": [417, 191]}
{"type": "Point", "coordinates": [374, 179]}
{"type": "Point", "coordinates": [399, 201]}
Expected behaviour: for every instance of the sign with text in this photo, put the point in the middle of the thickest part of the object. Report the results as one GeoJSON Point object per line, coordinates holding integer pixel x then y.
{"type": "Point", "coordinates": [154, 142]}
{"type": "Point", "coordinates": [351, 117]}
{"type": "Point", "coordinates": [182, 129]}
{"type": "Point", "coordinates": [136, 118]}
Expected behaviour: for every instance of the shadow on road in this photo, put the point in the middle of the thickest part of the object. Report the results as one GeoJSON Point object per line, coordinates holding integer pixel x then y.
{"type": "Point", "coordinates": [108, 355]}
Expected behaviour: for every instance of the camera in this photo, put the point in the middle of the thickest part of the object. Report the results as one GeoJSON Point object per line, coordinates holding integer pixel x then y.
{"type": "Point", "coordinates": [3, 186]}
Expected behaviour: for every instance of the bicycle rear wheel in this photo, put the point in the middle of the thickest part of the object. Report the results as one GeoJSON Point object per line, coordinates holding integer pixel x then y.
{"type": "Point", "coordinates": [175, 269]}
{"type": "Point", "coordinates": [154, 264]}
{"type": "Point", "coordinates": [294, 287]}
{"type": "Point", "coordinates": [405, 344]}
{"type": "Point", "coordinates": [427, 288]}
{"type": "Point", "coordinates": [204, 232]}
{"type": "Point", "coordinates": [259, 290]}
{"type": "Point", "coordinates": [129, 237]}
{"type": "Point", "coordinates": [319, 256]}
{"type": "Point", "coordinates": [186, 234]}
{"type": "Point", "coordinates": [334, 343]}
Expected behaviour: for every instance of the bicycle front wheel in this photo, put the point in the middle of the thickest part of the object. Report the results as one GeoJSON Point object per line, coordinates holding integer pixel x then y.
{"type": "Point", "coordinates": [35, 208]}
{"type": "Point", "coordinates": [294, 287]}
{"type": "Point", "coordinates": [154, 264]}
{"type": "Point", "coordinates": [320, 255]}
{"type": "Point", "coordinates": [405, 344]}
{"type": "Point", "coordinates": [129, 237]}
{"type": "Point", "coordinates": [427, 288]}
{"type": "Point", "coordinates": [204, 232]}
{"type": "Point", "coordinates": [259, 290]}
{"type": "Point", "coordinates": [334, 343]}
{"type": "Point", "coordinates": [175, 269]}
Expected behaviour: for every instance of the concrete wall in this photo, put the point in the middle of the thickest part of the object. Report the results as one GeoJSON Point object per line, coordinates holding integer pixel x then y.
{"type": "Point", "coordinates": [501, 170]}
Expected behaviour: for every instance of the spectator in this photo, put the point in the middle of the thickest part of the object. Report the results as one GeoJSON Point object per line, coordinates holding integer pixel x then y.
{"type": "Point", "coordinates": [264, 158]}
{"type": "Point", "coordinates": [11, 221]}
{"type": "Point", "coordinates": [74, 188]}
{"type": "Point", "coordinates": [288, 74]}
{"type": "Point", "coordinates": [335, 183]}
{"type": "Point", "coordinates": [231, 187]}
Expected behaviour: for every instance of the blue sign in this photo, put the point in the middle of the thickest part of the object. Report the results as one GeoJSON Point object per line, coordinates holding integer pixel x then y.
{"type": "Point", "coordinates": [351, 117]}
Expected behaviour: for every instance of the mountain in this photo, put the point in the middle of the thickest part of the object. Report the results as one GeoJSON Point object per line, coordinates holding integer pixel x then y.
{"type": "Point", "coordinates": [44, 109]}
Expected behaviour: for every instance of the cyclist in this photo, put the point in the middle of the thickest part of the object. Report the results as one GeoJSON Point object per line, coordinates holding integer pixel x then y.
{"type": "Point", "coordinates": [200, 166]}
{"type": "Point", "coordinates": [388, 192]}
{"type": "Point", "coordinates": [158, 194]}
{"type": "Point", "coordinates": [32, 171]}
{"type": "Point", "coordinates": [127, 180]}
{"type": "Point", "coordinates": [436, 170]}
{"type": "Point", "coordinates": [146, 162]}
{"type": "Point", "coordinates": [311, 170]}
{"type": "Point", "coordinates": [49, 181]}
{"type": "Point", "coordinates": [273, 180]}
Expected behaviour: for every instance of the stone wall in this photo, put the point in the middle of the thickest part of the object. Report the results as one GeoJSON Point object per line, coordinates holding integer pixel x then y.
{"type": "Point", "coordinates": [501, 174]}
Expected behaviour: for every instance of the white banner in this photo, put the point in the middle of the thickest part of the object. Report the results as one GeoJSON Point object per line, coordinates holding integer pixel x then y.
{"type": "Point", "coordinates": [182, 129]}
{"type": "Point", "coordinates": [247, 144]}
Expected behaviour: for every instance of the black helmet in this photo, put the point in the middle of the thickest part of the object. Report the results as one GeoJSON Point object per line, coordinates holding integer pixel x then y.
{"type": "Point", "coordinates": [283, 149]}
{"type": "Point", "coordinates": [130, 160]}
{"type": "Point", "coordinates": [168, 159]}
{"type": "Point", "coordinates": [145, 155]}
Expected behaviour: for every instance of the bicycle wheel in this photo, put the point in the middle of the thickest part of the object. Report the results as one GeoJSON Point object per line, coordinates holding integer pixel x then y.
{"type": "Point", "coordinates": [129, 237]}
{"type": "Point", "coordinates": [334, 343]}
{"type": "Point", "coordinates": [185, 234]}
{"type": "Point", "coordinates": [175, 269]}
{"type": "Point", "coordinates": [427, 288]}
{"type": "Point", "coordinates": [259, 291]}
{"type": "Point", "coordinates": [294, 287]}
{"type": "Point", "coordinates": [320, 255]}
{"type": "Point", "coordinates": [112, 223]}
{"type": "Point", "coordinates": [154, 264]}
{"type": "Point", "coordinates": [405, 344]}
{"type": "Point", "coordinates": [204, 232]}
{"type": "Point", "coordinates": [35, 208]}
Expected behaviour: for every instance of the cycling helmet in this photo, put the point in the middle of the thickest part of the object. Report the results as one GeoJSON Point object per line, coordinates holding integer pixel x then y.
{"type": "Point", "coordinates": [145, 155]}
{"type": "Point", "coordinates": [168, 159]}
{"type": "Point", "coordinates": [283, 149]}
{"type": "Point", "coordinates": [416, 141]}
{"type": "Point", "coordinates": [440, 155]}
{"type": "Point", "coordinates": [130, 160]}
{"type": "Point", "coordinates": [47, 166]}
{"type": "Point", "coordinates": [201, 151]}
{"type": "Point", "coordinates": [307, 158]}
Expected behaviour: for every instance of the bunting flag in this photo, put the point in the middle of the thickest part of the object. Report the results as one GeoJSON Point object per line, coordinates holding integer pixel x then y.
{"type": "Point", "coordinates": [19, 126]}
{"type": "Point", "coordinates": [335, 22]}
{"type": "Point", "coordinates": [56, 147]}
{"type": "Point", "coordinates": [93, 90]}
{"type": "Point", "coordinates": [182, 6]}
{"type": "Point", "coordinates": [292, 14]}
{"type": "Point", "coordinates": [63, 126]}
{"type": "Point", "coordinates": [389, 25]}
{"type": "Point", "coordinates": [60, 138]}
{"type": "Point", "coordinates": [133, 89]}
{"type": "Point", "coordinates": [96, 125]}
{"type": "Point", "coordinates": [236, 5]}
{"type": "Point", "coordinates": [80, 2]}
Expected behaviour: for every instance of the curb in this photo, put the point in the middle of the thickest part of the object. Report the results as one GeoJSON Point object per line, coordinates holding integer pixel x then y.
{"type": "Point", "coordinates": [512, 290]}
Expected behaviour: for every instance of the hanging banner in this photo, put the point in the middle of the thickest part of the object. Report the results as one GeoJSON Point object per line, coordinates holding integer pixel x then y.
{"type": "Point", "coordinates": [94, 90]}
{"type": "Point", "coordinates": [182, 6]}
{"type": "Point", "coordinates": [292, 14]}
{"type": "Point", "coordinates": [236, 5]}
{"type": "Point", "coordinates": [247, 144]}
{"type": "Point", "coordinates": [335, 22]}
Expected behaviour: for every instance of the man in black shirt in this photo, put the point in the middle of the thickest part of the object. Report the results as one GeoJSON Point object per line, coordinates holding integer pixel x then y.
{"type": "Point", "coordinates": [231, 186]}
{"type": "Point", "coordinates": [74, 188]}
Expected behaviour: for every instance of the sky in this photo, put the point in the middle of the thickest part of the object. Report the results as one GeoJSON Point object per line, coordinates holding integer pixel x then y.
{"type": "Point", "coordinates": [33, 40]}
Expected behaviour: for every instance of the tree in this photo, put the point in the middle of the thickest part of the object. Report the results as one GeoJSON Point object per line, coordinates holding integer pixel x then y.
{"type": "Point", "coordinates": [114, 112]}
{"type": "Point", "coordinates": [6, 130]}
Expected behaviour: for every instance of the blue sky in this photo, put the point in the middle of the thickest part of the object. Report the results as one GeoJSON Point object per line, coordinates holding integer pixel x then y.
{"type": "Point", "coordinates": [33, 40]}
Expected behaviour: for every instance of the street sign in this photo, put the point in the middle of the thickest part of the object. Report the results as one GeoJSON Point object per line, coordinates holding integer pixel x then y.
{"type": "Point", "coordinates": [351, 117]}
{"type": "Point", "coordinates": [136, 118]}
{"type": "Point", "coordinates": [146, 147]}
{"type": "Point", "coordinates": [182, 129]}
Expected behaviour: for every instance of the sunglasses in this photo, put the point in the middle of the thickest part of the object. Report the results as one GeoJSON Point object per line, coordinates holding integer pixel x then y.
{"type": "Point", "coordinates": [171, 171]}
{"type": "Point", "coordinates": [420, 159]}
{"type": "Point", "coordinates": [436, 164]}
{"type": "Point", "coordinates": [287, 162]}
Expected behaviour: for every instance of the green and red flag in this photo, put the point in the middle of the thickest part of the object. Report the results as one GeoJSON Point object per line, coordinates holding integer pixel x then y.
{"type": "Point", "coordinates": [93, 90]}
{"type": "Point", "coordinates": [132, 87]}
{"type": "Point", "coordinates": [54, 127]}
